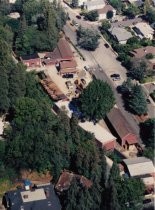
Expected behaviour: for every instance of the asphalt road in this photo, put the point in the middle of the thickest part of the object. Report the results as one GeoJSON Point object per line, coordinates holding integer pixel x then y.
{"type": "Point", "coordinates": [106, 59]}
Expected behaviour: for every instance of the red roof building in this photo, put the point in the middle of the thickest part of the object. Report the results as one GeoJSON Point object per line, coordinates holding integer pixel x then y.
{"type": "Point", "coordinates": [62, 52]}
{"type": "Point", "coordinates": [122, 128]}
{"type": "Point", "coordinates": [31, 60]}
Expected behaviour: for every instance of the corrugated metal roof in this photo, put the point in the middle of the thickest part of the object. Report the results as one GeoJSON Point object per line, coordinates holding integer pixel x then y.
{"type": "Point", "coordinates": [139, 166]}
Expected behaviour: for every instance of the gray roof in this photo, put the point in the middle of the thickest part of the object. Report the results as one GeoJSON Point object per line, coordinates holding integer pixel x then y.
{"type": "Point", "coordinates": [121, 34]}
{"type": "Point", "coordinates": [40, 198]}
{"type": "Point", "coordinates": [96, 2]}
{"type": "Point", "coordinates": [139, 166]}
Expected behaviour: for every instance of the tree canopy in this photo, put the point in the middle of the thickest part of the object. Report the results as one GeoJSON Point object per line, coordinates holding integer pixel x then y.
{"type": "Point", "coordinates": [87, 38]}
{"type": "Point", "coordinates": [96, 100]}
{"type": "Point", "coordinates": [92, 15]}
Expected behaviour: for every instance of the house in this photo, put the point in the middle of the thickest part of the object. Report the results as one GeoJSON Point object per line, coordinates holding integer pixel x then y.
{"type": "Point", "coordinates": [120, 34]}
{"type": "Point", "coordinates": [62, 52]}
{"type": "Point", "coordinates": [121, 128]}
{"type": "Point", "coordinates": [66, 179]}
{"type": "Point", "coordinates": [139, 167]}
{"type": "Point", "coordinates": [126, 23]}
{"type": "Point", "coordinates": [94, 5]}
{"type": "Point", "coordinates": [143, 30]}
{"type": "Point", "coordinates": [103, 12]}
{"type": "Point", "coordinates": [142, 52]}
{"type": "Point", "coordinates": [68, 67]}
{"type": "Point", "coordinates": [31, 61]}
{"type": "Point", "coordinates": [38, 197]}
{"type": "Point", "coordinates": [103, 137]}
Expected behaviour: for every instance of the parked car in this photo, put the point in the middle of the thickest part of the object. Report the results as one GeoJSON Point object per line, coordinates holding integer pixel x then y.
{"type": "Point", "coordinates": [148, 101]}
{"type": "Point", "coordinates": [78, 17]}
{"type": "Point", "coordinates": [106, 45]}
{"type": "Point", "coordinates": [115, 77]}
{"type": "Point", "coordinates": [76, 24]}
{"type": "Point", "coordinates": [67, 76]}
{"type": "Point", "coordinates": [86, 68]}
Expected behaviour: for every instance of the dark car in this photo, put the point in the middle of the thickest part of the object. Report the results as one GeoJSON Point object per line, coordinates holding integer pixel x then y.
{"type": "Point", "coordinates": [78, 17]}
{"type": "Point", "coordinates": [115, 77]}
{"type": "Point", "coordinates": [106, 45]}
{"type": "Point", "coordinates": [67, 76]}
{"type": "Point", "coordinates": [147, 201]}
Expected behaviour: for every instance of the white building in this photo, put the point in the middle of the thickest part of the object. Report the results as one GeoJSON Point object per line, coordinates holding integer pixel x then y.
{"type": "Point", "coordinates": [103, 12]}
{"type": "Point", "coordinates": [143, 30]}
{"type": "Point", "coordinates": [94, 5]}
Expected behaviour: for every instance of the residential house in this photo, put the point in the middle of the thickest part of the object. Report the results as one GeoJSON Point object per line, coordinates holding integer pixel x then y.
{"type": "Point", "coordinates": [103, 12]}
{"type": "Point", "coordinates": [143, 30]}
{"type": "Point", "coordinates": [37, 197]}
{"type": "Point", "coordinates": [103, 137]}
{"type": "Point", "coordinates": [120, 34]}
{"type": "Point", "coordinates": [140, 167]}
{"type": "Point", "coordinates": [31, 61]}
{"type": "Point", "coordinates": [121, 128]}
{"type": "Point", "coordinates": [141, 53]}
{"type": "Point", "coordinates": [67, 67]}
{"type": "Point", "coordinates": [62, 52]}
{"type": "Point", "coordinates": [94, 5]}
{"type": "Point", "coordinates": [66, 179]}
{"type": "Point", "coordinates": [126, 23]}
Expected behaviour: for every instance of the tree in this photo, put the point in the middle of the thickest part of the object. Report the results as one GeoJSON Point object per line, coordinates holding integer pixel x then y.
{"type": "Point", "coordinates": [150, 15]}
{"type": "Point", "coordinates": [131, 11]}
{"type": "Point", "coordinates": [138, 69]}
{"type": "Point", "coordinates": [87, 38]}
{"type": "Point", "coordinates": [92, 15]}
{"type": "Point", "coordinates": [137, 101]}
{"type": "Point", "coordinates": [147, 132]}
{"type": "Point", "coordinates": [105, 25]}
{"type": "Point", "coordinates": [110, 14]}
{"type": "Point", "coordinates": [75, 3]}
{"type": "Point", "coordinates": [117, 4]}
{"type": "Point", "coordinates": [96, 100]}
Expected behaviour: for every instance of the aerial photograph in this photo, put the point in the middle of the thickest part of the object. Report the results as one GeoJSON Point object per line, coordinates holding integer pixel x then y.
{"type": "Point", "coordinates": [77, 104]}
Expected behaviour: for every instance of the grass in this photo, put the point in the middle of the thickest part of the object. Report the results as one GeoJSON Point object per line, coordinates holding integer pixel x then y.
{"type": "Point", "coordinates": [148, 79]}
{"type": "Point", "coordinates": [5, 186]}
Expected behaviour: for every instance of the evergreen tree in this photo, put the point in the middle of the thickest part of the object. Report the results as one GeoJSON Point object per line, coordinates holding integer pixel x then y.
{"type": "Point", "coordinates": [137, 101]}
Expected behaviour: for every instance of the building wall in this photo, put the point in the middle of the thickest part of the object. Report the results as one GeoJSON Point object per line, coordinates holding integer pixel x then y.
{"type": "Point", "coordinates": [95, 7]}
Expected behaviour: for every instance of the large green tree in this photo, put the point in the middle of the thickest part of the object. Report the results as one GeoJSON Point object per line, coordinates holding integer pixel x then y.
{"type": "Point", "coordinates": [96, 100]}
{"type": "Point", "coordinates": [137, 101]}
{"type": "Point", "coordinates": [92, 15]}
{"type": "Point", "coordinates": [87, 38]}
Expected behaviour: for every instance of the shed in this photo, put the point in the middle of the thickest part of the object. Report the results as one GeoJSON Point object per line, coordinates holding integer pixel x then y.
{"type": "Point", "coordinates": [139, 166]}
{"type": "Point", "coordinates": [31, 60]}
{"type": "Point", "coordinates": [125, 133]}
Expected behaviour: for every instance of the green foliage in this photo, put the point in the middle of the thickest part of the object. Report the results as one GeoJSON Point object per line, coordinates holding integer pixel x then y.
{"type": "Point", "coordinates": [150, 15]}
{"type": "Point", "coordinates": [149, 153]}
{"type": "Point", "coordinates": [87, 38]}
{"type": "Point", "coordinates": [91, 16]}
{"type": "Point", "coordinates": [117, 4]}
{"type": "Point", "coordinates": [96, 100]}
{"type": "Point", "coordinates": [137, 101]}
{"type": "Point", "coordinates": [105, 26]}
{"type": "Point", "coordinates": [138, 70]}
{"type": "Point", "coordinates": [131, 11]}
{"type": "Point", "coordinates": [110, 14]}
{"type": "Point", "coordinates": [149, 56]}
{"type": "Point", "coordinates": [147, 132]}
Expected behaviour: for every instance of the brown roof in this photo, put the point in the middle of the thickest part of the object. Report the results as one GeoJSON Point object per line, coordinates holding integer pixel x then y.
{"type": "Point", "coordinates": [141, 52]}
{"type": "Point", "coordinates": [67, 177]}
{"type": "Point", "coordinates": [68, 64]}
{"type": "Point", "coordinates": [68, 71]}
{"type": "Point", "coordinates": [105, 9]}
{"type": "Point", "coordinates": [119, 123]}
{"type": "Point", "coordinates": [64, 48]}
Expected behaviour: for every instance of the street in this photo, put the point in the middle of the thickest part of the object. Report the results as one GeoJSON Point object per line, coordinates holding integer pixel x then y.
{"type": "Point", "coordinates": [106, 59]}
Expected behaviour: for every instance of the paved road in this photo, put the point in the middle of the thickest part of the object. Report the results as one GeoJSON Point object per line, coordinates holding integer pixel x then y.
{"type": "Point", "coordinates": [106, 59]}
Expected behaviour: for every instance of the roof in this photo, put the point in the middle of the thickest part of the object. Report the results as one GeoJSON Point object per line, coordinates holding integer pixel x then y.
{"type": "Point", "coordinates": [105, 9]}
{"type": "Point", "coordinates": [1, 126]}
{"type": "Point", "coordinates": [101, 134]}
{"type": "Point", "coordinates": [95, 2]}
{"type": "Point", "coordinates": [29, 57]}
{"type": "Point", "coordinates": [67, 177]}
{"type": "Point", "coordinates": [139, 166]}
{"type": "Point", "coordinates": [126, 23]}
{"type": "Point", "coordinates": [144, 28]}
{"type": "Point", "coordinates": [68, 64]}
{"type": "Point", "coordinates": [64, 48]}
{"type": "Point", "coordinates": [121, 126]}
{"type": "Point", "coordinates": [141, 52]}
{"type": "Point", "coordinates": [14, 15]}
{"type": "Point", "coordinates": [148, 181]}
{"type": "Point", "coordinates": [120, 33]}
{"type": "Point", "coordinates": [39, 198]}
